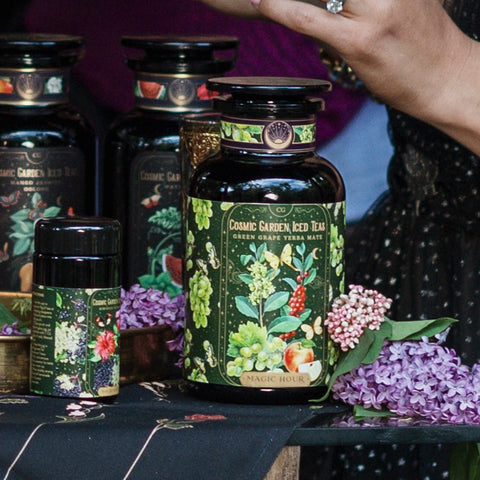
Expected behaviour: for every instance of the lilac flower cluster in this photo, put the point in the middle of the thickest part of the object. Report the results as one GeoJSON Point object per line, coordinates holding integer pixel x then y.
{"type": "Point", "coordinates": [12, 329]}
{"type": "Point", "coordinates": [415, 379]}
{"type": "Point", "coordinates": [142, 307]}
{"type": "Point", "coordinates": [353, 312]}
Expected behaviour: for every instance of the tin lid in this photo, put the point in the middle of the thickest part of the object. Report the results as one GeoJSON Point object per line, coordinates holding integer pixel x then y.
{"type": "Point", "coordinates": [268, 93]}
{"type": "Point", "coordinates": [39, 50]}
{"type": "Point", "coordinates": [78, 236]}
{"type": "Point", "coordinates": [182, 53]}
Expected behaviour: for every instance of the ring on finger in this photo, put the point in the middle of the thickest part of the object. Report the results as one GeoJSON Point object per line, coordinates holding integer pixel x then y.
{"type": "Point", "coordinates": [335, 6]}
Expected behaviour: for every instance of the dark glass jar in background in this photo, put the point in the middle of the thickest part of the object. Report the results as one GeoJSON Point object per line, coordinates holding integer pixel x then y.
{"type": "Point", "coordinates": [76, 294]}
{"type": "Point", "coordinates": [47, 148]}
{"type": "Point", "coordinates": [142, 184]}
{"type": "Point", "coordinates": [263, 248]}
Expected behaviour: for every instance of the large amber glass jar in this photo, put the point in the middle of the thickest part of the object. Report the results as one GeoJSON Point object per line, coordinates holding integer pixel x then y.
{"type": "Point", "coordinates": [263, 248]}
{"type": "Point", "coordinates": [47, 148]}
{"type": "Point", "coordinates": [142, 181]}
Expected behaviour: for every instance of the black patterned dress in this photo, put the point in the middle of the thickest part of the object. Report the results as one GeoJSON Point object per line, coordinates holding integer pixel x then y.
{"type": "Point", "coordinates": [419, 244]}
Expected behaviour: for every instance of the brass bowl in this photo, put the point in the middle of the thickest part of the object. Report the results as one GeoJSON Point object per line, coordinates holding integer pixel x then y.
{"type": "Point", "coordinates": [14, 363]}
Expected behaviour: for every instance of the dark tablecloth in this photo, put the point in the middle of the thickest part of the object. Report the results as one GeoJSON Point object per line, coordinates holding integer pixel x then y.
{"type": "Point", "coordinates": [151, 430]}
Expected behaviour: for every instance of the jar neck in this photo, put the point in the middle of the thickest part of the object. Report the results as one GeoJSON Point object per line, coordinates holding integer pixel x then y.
{"type": "Point", "coordinates": [32, 87]}
{"type": "Point", "coordinates": [176, 93]}
{"type": "Point", "coordinates": [270, 136]}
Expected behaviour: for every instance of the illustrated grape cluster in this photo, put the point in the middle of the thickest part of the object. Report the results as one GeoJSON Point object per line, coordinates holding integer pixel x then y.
{"type": "Point", "coordinates": [203, 212]}
{"type": "Point", "coordinates": [103, 373]}
{"type": "Point", "coordinates": [200, 292]}
{"type": "Point", "coordinates": [258, 356]}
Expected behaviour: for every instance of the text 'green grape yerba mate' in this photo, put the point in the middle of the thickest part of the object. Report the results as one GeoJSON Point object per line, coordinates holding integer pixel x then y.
{"type": "Point", "coordinates": [265, 221]}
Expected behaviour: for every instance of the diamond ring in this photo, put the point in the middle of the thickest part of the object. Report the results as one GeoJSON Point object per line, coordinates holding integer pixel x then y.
{"type": "Point", "coordinates": [335, 6]}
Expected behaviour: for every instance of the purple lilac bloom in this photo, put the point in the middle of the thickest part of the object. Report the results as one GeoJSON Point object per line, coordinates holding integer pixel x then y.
{"type": "Point", "coordinates": [415, 379]}
{"type": "Point", "coordinates": [12, 329]}
{"type": "Point", "coordinates": [142, 307]}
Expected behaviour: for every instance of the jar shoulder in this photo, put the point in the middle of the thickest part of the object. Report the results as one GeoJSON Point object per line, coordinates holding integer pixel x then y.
{"type": "Point", "coordinates": [309, 180]}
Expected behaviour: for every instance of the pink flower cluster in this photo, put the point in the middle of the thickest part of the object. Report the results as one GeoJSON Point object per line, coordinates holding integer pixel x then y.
{"type": "Point", "coordinates": [353, 312]}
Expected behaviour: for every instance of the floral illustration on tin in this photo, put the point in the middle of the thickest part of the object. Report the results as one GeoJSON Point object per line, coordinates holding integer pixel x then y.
{"type": "Point", "coordinates": [86, 355]}
{"type": "Point", "coordinates": [280, 337]}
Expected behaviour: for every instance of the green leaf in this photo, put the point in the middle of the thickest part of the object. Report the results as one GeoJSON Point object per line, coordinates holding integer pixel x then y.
{"type": "Point", "coordinates": [245, 307]}
{"type": "Point", "coordinates": [51, 212]}
{"type": "Point", "coordinates": [21, 215]}
{"type": "Point", "coordinates": [361, 412]}
{"type": "Point", "coordinates": [245, 278]}
{"type": "Point", "coordinates": [297, 263]}
{"type": "Point", "coordinates": [22, 245]}
{"type": "Point", "coordinates": [416, 329]}
{"type": "Point", "coordinates": [58, 300]}
{"type": "Point", "coordinates": [285, 324]}
{"type": "Point", "coordinates": [300, 249]}
{"type": "Point", "coordinates": [6, 316]}
{"type": "Point", "coordinates": [146, 281]}
{"type": "Point", "coordinates": [308, 262]}
{"type": "Point", "coordinates": [308, 343]}
{"type": "Point", "coordinates": [305, 314]}
{"type": "Point", "coordinates": [291, 283]}
{"type": "Point", "coordinates": [312, 274]}
{"type": "Point", "coordinates": [246, 258]}
{"type": "Point", "coordinates": [379, 337]}
{"type": "Point", "coordinates": [465, 461]}
{"type": "Point", "coordinates": [276, 301]}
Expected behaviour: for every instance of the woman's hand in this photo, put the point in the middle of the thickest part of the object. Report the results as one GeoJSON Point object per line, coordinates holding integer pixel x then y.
{"type": "Point", "coordinates": [408, 53]}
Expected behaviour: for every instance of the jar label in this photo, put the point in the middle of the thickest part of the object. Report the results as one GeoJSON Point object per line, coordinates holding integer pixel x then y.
{"type": "Point", "coordinates": [154, 222]}
{"type": "Point", "coordinates": [74, 342]}
{"type": "Point", "coordinates": [173, 93]}
{"type": "Point", "coordinates": [34, 183]}
{"type": "Point", "coordinates": [260, 279]}
{"type": "Point", "coordinates": [260, 135]}
{"type": "Point", "coordinates": [29, 87]}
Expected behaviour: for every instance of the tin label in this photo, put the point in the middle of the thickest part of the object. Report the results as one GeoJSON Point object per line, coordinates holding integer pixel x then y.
{"type": "Point", "coordinates": [29, 87]}
{"type": "Point", "coordinates": [154, 222]}
{"type": "Point", "coordinates": [74, 342]}
{"type": "Point", "coordinates": [34, 183]}
{"type": "Point", "coordinates": [260, 280]}
{"type": "Point", "coordinates": [259, 135]}
{"type": "Point", "coordinates": [173, 93]}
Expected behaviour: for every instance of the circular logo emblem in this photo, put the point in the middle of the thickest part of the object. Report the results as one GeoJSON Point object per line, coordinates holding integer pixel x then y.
{"type": "Point", "coordinates": [278, 135]}
{"type": "Point", "coordinates": [181, 91]}
{"type": "Point", "coordinates": [29, 86]}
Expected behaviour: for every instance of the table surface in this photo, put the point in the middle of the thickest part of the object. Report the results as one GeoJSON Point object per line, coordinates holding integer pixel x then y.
{"type": "Point", "coordinates": [339, 427]}
{"type": "Point", "coordinates": [156, 427]}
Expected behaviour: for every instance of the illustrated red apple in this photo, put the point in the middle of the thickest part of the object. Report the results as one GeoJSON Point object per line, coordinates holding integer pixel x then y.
{"type": "Point", "coordinates": [295, 355]}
